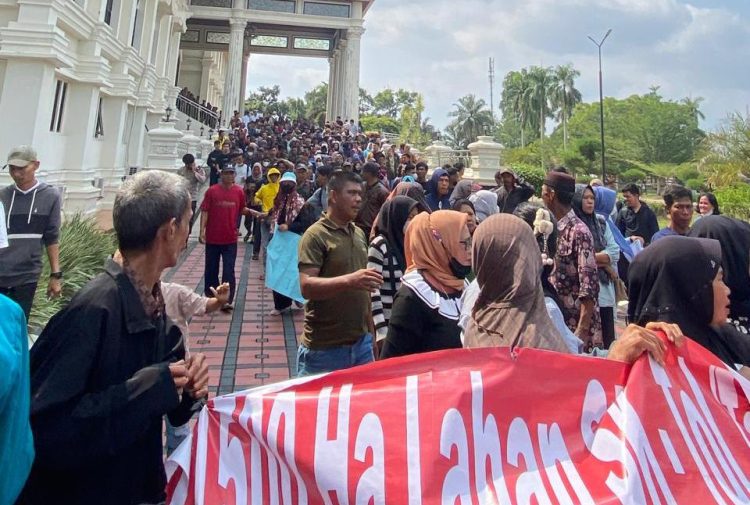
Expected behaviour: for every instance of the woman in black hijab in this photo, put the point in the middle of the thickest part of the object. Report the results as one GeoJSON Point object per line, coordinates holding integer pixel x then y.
{"type": "Point", "coordinates": [734, 237]}
{"type": "Point", "coordinates": [386, 256]}
{"type": "Point", "coordinates": [679, 280]}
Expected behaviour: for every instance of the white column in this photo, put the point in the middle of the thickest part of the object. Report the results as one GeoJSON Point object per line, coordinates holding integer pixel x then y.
{"type": "Point", "coordinates": [234, 68]}
{"type": "Point", "coordinates": [148, 31]}
{"type": "Point", "coordinates": [206, 63]}
{"type": "Point", "coordinates": [329, 98]}
{"type": "Point", "coordinates": [338, 109]}
{"type": "Point", "coordinates": [243, 85]}
{"type": "Point", "coordinates": [352, 59]}
{"type": "Point", "coordinates": [126, 22]}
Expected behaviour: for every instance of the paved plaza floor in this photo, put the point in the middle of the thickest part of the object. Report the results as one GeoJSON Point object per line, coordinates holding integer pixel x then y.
{"type": "Point", "coordinates": [248, 347]}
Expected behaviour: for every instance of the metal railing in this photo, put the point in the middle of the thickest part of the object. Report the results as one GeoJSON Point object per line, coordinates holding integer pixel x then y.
{"type": "Point", "coordinates": [198, 112]}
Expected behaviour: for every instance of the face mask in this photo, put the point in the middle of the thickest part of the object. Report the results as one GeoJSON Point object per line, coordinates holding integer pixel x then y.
{"type": "Point", "coordinates": [265, 164]}
{"type": "Point", "coordinates": [458, 270]}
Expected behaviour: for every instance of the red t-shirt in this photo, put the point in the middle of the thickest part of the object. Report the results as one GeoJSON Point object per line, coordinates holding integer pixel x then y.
{"type": "Point", "coordinates": [224, 207]}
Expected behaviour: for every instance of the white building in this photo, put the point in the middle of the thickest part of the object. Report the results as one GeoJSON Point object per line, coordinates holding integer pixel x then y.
{"type": "Point", "coordinates": [84, 81]}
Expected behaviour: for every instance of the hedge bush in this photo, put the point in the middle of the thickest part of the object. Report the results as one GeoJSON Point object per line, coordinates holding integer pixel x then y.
{"type": "Point", "coordinates": [531, 174]}
{"type": "Point", "coordinates": [735, 201]}
{"type": "Point", "coordinates": [84, 249]}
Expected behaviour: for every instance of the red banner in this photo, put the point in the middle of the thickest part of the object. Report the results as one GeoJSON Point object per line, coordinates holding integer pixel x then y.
{"type": "Point", "coordinates": [478, 427]}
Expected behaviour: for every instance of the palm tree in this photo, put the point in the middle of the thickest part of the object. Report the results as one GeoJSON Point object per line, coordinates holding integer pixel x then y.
{"type": "Point", "coordinates": [516, 99]}
{"type": "Point", "coordinates": [565, 96]}
{"type": "Point", "coordinates": [694, 105]}
{"type": "Point", "coordinates": [541, 80]}
{"type": "Point", "coordinates": [471, 117]}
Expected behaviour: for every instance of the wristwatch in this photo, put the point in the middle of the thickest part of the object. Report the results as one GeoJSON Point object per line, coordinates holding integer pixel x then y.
{"type": "Point", "coordinates": [56, 275]}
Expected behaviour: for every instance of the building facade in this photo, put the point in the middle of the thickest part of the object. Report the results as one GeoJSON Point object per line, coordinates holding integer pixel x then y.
{"type": "Point", "coordinates": [87, 82]}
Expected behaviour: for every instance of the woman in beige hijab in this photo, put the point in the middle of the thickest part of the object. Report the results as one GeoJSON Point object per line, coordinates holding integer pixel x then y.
{"type": "Point", "coordinates": [510, 309]}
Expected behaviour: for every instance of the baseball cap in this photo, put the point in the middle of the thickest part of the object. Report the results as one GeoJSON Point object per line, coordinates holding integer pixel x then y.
{"type": "Point", "coordinates": [289, 177]}
{"type": "Point", "coordinates": [21, 156]}
{"type": "Point", "coordinates": [301, 166]}
{"type": "Point", "coordinates": [506, 170]}
{"type": "Point", "coordinates": [228, 168]}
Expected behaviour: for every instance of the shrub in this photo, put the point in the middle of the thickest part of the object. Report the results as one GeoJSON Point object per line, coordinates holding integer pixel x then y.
{"type": "Point", "coordinates": [735, 201]}
{"type": "Point", "coordinates": [83, 250]}
{"type": "Point", "coordinates": [632, 175]}
{"type": "Point", "coordinates": [695, 184]}
{"type": "Point", "coordinates": [531, 174]}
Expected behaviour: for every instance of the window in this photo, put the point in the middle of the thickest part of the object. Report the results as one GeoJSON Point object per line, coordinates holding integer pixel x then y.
{"type": "Point", "coordinates": [326, 9]}
{"type": "Point", "coordinates": [99, 129]}
{"type": "Point", "coordinates": [269, 41]}
{"type": "Point", "coordinates": [316, 44]}
{"type": "Point", "coordinates": [108, 12]}
{"type": "Point", "coordinates": [272, 5]}
{"type": "Point", "coordinates": [61, 91]}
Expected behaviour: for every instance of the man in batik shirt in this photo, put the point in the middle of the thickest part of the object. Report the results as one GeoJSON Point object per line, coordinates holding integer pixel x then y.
{"type": "Point", "coordinates": [575, 275]}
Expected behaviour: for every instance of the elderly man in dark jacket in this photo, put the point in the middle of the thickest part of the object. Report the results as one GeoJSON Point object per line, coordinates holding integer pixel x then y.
{"type": "Point", "coordinates": [109, 366]}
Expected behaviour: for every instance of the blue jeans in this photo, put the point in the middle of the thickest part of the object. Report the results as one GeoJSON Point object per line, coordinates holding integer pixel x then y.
{"type": "Point", "coordinates": [314, 361]}
{"type": "Point", "coordinates": [175, 435]}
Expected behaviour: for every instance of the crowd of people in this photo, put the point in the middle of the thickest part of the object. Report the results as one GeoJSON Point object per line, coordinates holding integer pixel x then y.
{"type": "Point", "coordinates": [394, 257]}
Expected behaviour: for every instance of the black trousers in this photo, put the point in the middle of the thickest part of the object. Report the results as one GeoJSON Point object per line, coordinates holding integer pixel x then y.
{"type": "Point", "coordinates": [281, 302]}
{"type": "Point", "coordinates": [23, 295]}
{"type": "Point", "coordinates": [193, 206]}
{"type": "Point", "coordinates": [608, 325]}
{"type": "Point", "coordinates": [227, 254]}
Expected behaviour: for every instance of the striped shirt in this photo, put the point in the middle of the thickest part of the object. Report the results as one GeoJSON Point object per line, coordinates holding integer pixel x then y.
{"type": "Point", "coordinates": [380, 259]}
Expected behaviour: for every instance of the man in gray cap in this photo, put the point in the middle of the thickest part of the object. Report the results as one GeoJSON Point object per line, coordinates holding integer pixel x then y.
{"type": "Point", "coordinates": [32, 218]}
{"type": "Point", "coordinates": [511, 190]}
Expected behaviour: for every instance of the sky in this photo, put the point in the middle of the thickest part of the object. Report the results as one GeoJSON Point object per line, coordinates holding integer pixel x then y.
{"type": "Point", "coordinates": [696, 48]}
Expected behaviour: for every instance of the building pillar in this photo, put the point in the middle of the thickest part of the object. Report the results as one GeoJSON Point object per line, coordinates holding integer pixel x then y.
{"type": "Point", "coordinates": [206, 63]}
{"type": "Point", "coordinates": [329, 98]}
{"type": "Point", "coordinates": [147, 32]}
{"type": "Point", "coordinates": [232, 81]}
{"type": "Point", "coordinates": [126, 22]}
{"type": "Point", "coordinates": [77, 170]}
{"type": "Point", "coordinates": [352, 62]}
{"type": "Point", "coordinates": [243, 81]}
{"type": "Point", "coordinates": [339, 80]}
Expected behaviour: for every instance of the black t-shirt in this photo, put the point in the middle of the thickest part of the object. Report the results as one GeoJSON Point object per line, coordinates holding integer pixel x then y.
{"type": "Point", "coordinates": [641, 224]}
{"type": "Point", "coordinates": [414, 327]}
{"type": "Point", "coordinates": [214, 164]}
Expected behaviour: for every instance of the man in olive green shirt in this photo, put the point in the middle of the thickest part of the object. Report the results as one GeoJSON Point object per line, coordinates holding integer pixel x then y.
{"type": "Point", "coordinates": [335, 281]}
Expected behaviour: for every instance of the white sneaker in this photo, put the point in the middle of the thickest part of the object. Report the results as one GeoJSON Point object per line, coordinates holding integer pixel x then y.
{"type": "Point", "coordinates": [297, 306]}
{"type": "Point", "coordinates": [276, 312]}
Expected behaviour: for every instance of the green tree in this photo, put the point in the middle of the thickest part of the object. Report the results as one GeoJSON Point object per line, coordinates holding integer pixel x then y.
{"type": "Point", "coordinates": [565, 96]}
{"type": "Point", "coordinates": [542, 81]}
{"type": "Point", "coordinates": [265, 99]}
{"type": "Point", "coordinates": [316, 101]}
{"type": "Point", "coordinates": [515, 105]}
{"type": "Point", "coordinates": [385, 124]}
{"type": "Point", "coordinates": [725, 153]}
{"type": "Point", "coordinates": [471, 116]}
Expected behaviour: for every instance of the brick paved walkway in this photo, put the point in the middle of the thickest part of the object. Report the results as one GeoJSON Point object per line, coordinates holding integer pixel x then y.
{"type": "Point", "coordinates": [246, 348]}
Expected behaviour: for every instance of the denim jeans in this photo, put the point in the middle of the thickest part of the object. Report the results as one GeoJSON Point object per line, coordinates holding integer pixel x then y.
{"type": "Point", "coordinates": [228, 256]}
{"type": "Point", "coordinates": [175, 435]}
{"type": "Point", "coordinates": [314, 361]}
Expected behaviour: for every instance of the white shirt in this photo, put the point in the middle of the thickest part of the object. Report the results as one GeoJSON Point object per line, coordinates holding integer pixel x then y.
{"type": "Point", "coordinates": [3, 229]}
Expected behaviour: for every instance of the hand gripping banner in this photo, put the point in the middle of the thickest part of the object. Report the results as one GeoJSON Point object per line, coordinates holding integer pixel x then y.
{"type": "Point", "coordinates": [479, 426]}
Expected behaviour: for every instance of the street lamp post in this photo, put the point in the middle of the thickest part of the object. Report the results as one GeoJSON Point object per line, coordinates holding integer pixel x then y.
{"type": "Point", "coordinates": [601, 100]}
